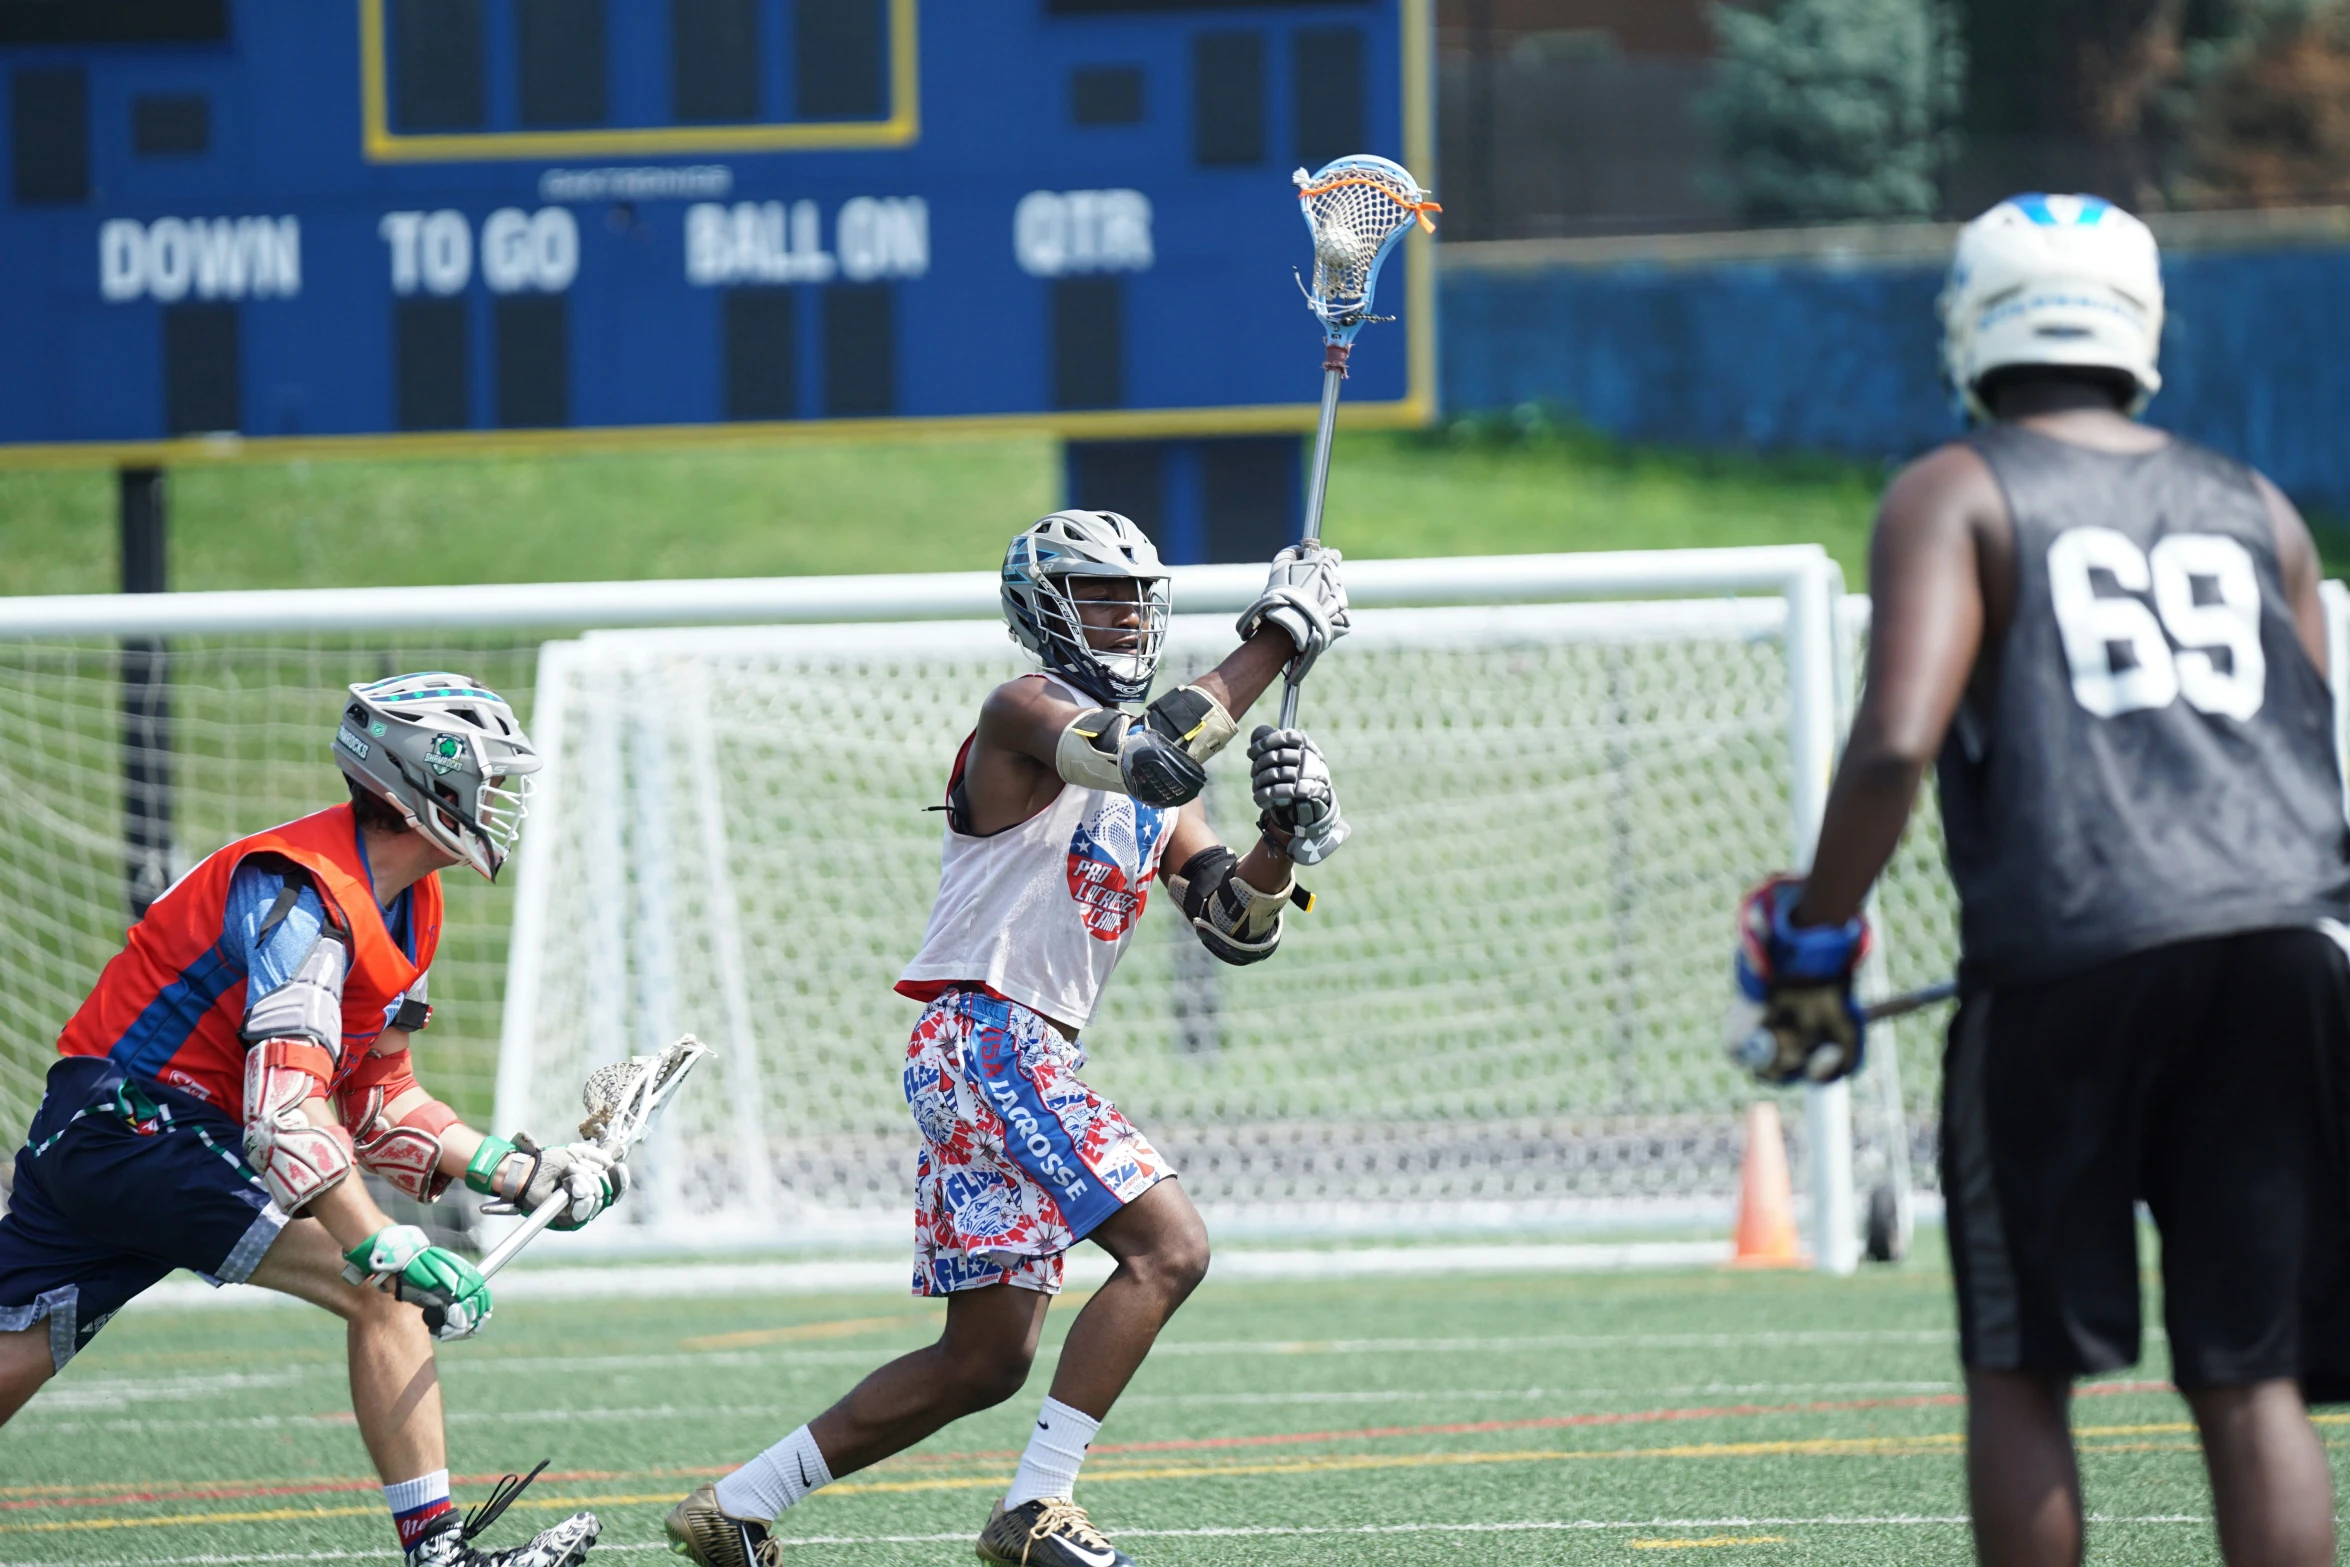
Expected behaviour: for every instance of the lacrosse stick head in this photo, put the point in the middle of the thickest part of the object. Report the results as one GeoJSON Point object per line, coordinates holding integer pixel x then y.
{"type": "Point", "coordinates": [621, 1099]}
{"type": "Point", "coordinates": [1358, 209]}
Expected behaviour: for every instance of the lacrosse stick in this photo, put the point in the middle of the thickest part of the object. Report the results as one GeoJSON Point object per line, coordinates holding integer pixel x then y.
{"type": "Point", "coordinates": [621, 1101]}
{"type": "Point", "coordinates": [1755, 1048]}
{"type": "Point", "coordinates": [1910, 1001]}
{"type": "Point", "coordinates": [1358, 209]}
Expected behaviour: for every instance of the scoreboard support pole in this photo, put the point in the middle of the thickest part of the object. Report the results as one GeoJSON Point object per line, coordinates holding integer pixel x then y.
{"type": "Point", "coordinates": [146, 697]}
{"type": "Point", "coordinates": [1201, 499]}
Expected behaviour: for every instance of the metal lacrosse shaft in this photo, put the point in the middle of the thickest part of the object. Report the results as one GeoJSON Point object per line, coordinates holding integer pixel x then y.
{"type": "Point", "coordinates": [1913, 1001]}
{"type": "Point", "coordinates": [625, 1122]}
{"type": "Point", "coordinates": [1333, 378]}
{"type": "Point", "coordinates": [524, 1233]}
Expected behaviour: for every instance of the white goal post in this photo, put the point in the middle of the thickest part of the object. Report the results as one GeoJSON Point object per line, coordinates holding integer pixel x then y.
{"type": "Point", "coordinates": [1506, 1013]}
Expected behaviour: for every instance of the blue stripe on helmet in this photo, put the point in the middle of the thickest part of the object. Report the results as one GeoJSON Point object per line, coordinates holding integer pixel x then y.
{"type": "Point", "coordinates": [2091, 212]}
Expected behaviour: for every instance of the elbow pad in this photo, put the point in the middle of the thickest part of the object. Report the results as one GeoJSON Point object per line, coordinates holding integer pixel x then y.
{"type": "Point", "coordinates": [1159, 759]}
{"type": "Point", "coordinates": [1236, 921]}
{"type": "Point", "coordinates": [296, 1160]}
{"type": "Point", "coordinates": [406, 1152]}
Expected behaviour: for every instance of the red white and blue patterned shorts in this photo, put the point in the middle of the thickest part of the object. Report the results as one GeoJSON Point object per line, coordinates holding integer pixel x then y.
{"type": "Point", "coordinates": [1020, 1160]}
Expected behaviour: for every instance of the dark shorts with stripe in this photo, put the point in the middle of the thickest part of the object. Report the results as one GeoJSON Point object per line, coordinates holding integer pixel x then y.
{"type": "Point", "coordinates": [2205, 1079]}
{"type": "Point", "coordinates": [120, 1181]}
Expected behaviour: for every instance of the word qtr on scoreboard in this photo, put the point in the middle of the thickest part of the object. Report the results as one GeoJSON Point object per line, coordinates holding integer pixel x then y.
{"type": "Point", "coordinates": [442, 223]}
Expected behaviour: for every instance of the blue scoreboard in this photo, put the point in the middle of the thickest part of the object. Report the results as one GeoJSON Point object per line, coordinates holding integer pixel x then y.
{"type": "Point", "coordinates": [282, 227]}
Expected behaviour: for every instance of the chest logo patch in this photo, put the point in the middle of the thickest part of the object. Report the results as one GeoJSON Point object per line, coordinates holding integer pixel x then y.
{"type": "Point", "coordinates": [1112, 857]}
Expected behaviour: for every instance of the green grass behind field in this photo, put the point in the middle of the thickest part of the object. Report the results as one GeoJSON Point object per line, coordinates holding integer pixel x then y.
{"type": "Point", "coordinates": [1485, 487]}
{"type": "Point", "coordinates": [923, 506]}
{"type": "Point", "coordinates": [1746, 1418]}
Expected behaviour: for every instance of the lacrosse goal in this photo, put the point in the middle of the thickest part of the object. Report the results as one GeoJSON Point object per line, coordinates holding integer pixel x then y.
{"type": "Point", "coordinates": [1506, 1012]}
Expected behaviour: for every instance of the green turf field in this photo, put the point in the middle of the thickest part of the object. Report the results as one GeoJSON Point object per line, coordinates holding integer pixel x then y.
{"type": "Point", "coordinates": [1594, 1418]}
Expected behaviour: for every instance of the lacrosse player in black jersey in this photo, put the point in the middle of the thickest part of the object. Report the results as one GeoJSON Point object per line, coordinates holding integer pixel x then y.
{"type": "Point", "coordinates": [2112, 641]}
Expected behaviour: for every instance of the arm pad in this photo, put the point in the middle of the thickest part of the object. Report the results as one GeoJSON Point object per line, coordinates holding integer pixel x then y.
{"type": "Point", "coordinates": [406, 1152]}
{"type": "Point", "coordinates": [295, 1159]}
{"type": "Point", "coordinates": [1237, 922]}
{"type": "Point", "coordinates": [1159, 759]}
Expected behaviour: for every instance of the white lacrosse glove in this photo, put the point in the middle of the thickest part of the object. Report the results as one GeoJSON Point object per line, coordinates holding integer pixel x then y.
{"type": "Point", "coordinates": [1292, 786]}
{"type": "Point", "coordinates": [1305, 598]}
{"type": "Point", "coordinates": [526, 1175]}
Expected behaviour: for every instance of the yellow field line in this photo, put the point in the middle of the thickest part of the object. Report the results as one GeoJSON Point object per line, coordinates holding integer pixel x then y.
{"type": "Point", "coordinates": [1923, 1445]}
{"type": "Point", "coordinates": [1886, 1446]}
{"type": "Point", "coordinates": [845, 1327]}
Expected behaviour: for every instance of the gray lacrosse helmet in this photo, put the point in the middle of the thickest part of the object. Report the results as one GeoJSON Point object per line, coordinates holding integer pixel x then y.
{"type": "Point", "coordinates": [1043, 613]}
{"type": "Point", "coordinates": [447, 753]}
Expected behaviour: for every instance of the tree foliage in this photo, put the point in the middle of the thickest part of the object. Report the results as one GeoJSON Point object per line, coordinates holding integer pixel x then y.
{"type": "Point", "coordinates": [1829, 109]}
{"type": "Point", "coordinates": [2268, 105]}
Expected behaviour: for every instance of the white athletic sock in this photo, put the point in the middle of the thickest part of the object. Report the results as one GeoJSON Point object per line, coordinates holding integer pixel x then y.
{"type": "Point", "coordinates": [775, 1480]}
{"type": "Point", "coordinates": [416, 1504]}
{"type": "Point", "coordinates": [1055, 1450]}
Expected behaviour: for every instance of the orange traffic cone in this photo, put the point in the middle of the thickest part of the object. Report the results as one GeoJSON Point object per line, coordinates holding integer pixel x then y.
{"type": "Point", "coordinates": [1766, 1198]}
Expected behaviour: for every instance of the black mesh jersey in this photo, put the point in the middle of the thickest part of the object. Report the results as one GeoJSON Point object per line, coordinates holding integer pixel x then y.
{"type": "Point", "coordinates": [2159, 761]}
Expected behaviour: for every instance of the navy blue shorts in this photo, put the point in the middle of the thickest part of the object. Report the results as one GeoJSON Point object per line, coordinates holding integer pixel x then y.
{"type": "Point", "coordinates": [120, 1181]}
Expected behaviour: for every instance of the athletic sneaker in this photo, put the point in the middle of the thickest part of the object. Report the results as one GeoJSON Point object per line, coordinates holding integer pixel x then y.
{"type": "Point", "coordinates": [564, 1545]}
{"type": "Point", "coordinates": [702, 1531]}
{"type": "Point", "coordinates": [1048, 1532]}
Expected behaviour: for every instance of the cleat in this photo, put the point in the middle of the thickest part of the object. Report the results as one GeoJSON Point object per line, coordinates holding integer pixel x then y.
{"type": "Point", "coordinates": [701, 1531]}
{"type": "Point", "coordinates": [1048, 1532]}
{"type": "Point", "coordinates": [564, 1545]}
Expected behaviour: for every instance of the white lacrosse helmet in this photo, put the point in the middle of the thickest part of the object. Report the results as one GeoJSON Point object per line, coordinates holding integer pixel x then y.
{"type": "Point", "coordinates": [447, 754]}
{"type": "Point", "coordinates": [2053, 280]}
{"type": "Point", "coordinates": [1043, 614]}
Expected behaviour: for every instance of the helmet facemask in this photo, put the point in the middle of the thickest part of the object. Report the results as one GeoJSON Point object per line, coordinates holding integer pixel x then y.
{"type": "Point", "coordinates": [1125, 672]}
{"type": "Point", "coordinates": [482, 830]}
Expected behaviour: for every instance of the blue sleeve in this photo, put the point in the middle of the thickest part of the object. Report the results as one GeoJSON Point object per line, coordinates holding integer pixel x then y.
{"type": "Point", "coordinates": [268, 960]}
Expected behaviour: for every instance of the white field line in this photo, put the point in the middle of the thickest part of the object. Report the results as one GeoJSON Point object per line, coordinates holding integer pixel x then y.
{"type": "Point", "coordinates": [1597, 1343]}
{"type": "Point", "coordinates": [1236, 1531]}
{"type": "Point", "coordinates": [115, 1425]}
{"type": "Point", "coordinates": [706, 1279]}
{"type": "Point", "coordinates": [85, 1418]}
{"type": "Point", "coordinates": [785, 1359]}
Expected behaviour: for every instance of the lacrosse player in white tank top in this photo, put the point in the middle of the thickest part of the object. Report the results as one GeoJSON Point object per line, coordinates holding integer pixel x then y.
{"type": "Point", "coordinates": [1061, 807]}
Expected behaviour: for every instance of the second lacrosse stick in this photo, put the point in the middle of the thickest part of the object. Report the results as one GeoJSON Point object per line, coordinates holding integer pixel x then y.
{"type": "Point", "coordinates": [1358, 209]}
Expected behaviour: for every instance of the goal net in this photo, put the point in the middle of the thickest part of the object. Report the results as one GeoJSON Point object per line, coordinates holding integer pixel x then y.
{"type": "Point", "coordinates": [238, 743]}
{"type": "Point", "coordinates": [1506, 1011]}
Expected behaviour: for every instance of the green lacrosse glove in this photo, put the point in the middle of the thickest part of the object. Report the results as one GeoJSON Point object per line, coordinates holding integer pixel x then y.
{"type": "Point", "coordinates": [454, 1295]}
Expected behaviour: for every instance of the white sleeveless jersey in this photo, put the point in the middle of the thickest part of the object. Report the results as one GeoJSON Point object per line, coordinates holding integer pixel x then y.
{"type": "Point", "coordinates": [1039, 913]}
